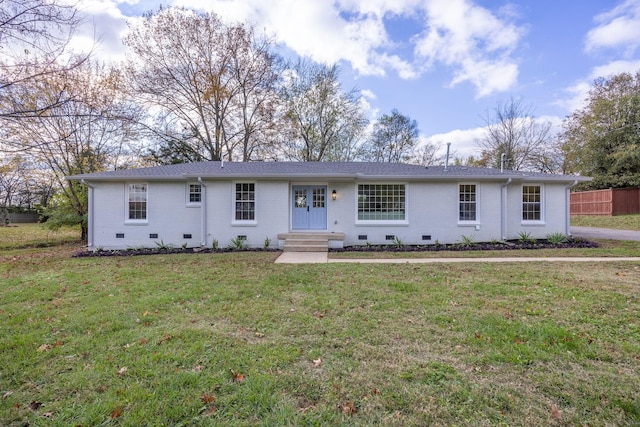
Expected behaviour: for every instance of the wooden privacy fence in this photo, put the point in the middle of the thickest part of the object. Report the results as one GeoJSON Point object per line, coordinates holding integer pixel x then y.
{"type": "Point", "coordinates": [609, 202]}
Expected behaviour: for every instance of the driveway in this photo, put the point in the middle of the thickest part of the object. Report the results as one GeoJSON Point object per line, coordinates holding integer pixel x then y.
{"type": "Point", "coordinates": [604, 233]}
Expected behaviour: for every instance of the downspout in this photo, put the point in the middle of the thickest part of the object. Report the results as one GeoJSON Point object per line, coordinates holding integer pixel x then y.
{"type": "Point", "coordinates": [503, 204]}
{"type": "Point", "coordinates": [203, 213]}
{"type": "Point", "coordinates": [568, 207]}
{"type": "Point", "coordinates": [89, 214]}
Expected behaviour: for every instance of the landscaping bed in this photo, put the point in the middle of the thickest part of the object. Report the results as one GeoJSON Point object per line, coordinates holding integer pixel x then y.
{"type": "Point", "coordinates": [488, 246]}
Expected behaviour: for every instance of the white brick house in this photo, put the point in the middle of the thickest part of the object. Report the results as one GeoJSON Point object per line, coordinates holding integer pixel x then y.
{"type": "Point", "coordinates": [194, 204]}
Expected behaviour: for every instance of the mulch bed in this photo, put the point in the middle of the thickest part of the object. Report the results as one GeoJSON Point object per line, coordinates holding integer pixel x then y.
{"type": "Point", "coordinates": [487, 246]}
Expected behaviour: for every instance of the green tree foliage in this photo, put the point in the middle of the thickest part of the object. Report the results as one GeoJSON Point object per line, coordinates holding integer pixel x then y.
{"type": "Point", "coordinates": [602, 139]}
{"type": "Point", "coordinates": [65, 211]}
{"type": "Point", "coordinates": [393, 139]}
{"type": "Point", "coordinates": [325, 122]}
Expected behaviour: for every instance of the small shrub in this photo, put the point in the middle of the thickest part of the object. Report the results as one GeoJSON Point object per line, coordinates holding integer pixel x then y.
{"type": "Point", "coordinates": [525, 237]}
{"type": "Point", "coordinates": [557, 238]}
{"type": "Point", "coordinates": [236, 243]}
{"type": "Point", "coordinates": [397, 242]}
{"type": "Point", "coordinates": [267, 242]}
{"type": "Point", "coordinates": [214, 245]}
{"type": "Point", "coordinates": [163, 246]}
{"type": "Point", "coordinates": [467, 241]}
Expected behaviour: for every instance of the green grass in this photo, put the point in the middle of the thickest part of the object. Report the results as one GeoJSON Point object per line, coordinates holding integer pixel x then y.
{"type": "Point", "coordinates": [21, 236]}
{"type": "Point", "coordinates": [621, 222]}
{"type": "Point", "coordinates": [234, 339]}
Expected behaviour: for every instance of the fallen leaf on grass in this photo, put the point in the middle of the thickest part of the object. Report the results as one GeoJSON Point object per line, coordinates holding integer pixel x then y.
{"type": "Point", "coordinates": [236, 376]}
{"type": "Point", "coordinates": [375, 392]}
{"type": "Point", "coordinates": [197, 368]}
{"type": "Point", "coordinates": [44, 347]}
{"type": "Point", "coordinates": [48, 414]}
{"type": "Point", "coordinates": [349, 408]}
{"type": "Point", "coordinates": [116, 413]}
{"type": "Point", "coordinates": [556, 414]}
{"type": "Point", "coordinates": [122, 371]}
{"type": "Point", "coordinates": [208, 398]}
{"type": "Point", "coordinates": [317, 362]}
{"type": "Point", "coordinates": [7, 394]}
{"type": "Point", "coordinates": [318, 314]}
{"type": "Point", "coordinates": [165, 338]}
{"type": "Point", "coordinates": [34, 406]}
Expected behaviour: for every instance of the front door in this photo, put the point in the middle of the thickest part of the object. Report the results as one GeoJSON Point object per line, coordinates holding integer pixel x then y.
{"type": "Point", "coordinates": [309, 207]}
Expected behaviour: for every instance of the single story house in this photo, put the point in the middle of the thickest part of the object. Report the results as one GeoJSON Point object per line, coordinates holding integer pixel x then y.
{"type": "Point", "coordinates": [350, 203]}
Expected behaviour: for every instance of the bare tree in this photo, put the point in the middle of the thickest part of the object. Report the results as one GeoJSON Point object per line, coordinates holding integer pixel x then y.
{"type": "Point", "coordinates": [87, 135]}
{"type": "Point", "coordinates": [322, 117]}
{"type": "Point", "coordinates": [34, 35]}
{"type": "Point", "coordinates": [213, 83]}
{"type": "Point", "coordinates": [512, 130]}
{"type": "Point", "coordinates": [393, 139]}
{"type": "Point", "coordinates": [427, 154]}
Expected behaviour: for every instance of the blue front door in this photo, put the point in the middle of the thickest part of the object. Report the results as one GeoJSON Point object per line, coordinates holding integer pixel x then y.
{"type": "Point", "coordinates": [309, 206]}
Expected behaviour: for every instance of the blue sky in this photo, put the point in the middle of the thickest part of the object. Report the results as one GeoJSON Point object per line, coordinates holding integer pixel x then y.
{"type": "Point", "coordinates": [444, 63]}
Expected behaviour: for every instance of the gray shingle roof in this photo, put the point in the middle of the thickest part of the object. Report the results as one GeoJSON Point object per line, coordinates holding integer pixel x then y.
{"type": "Point", "coordinates": [316, 170]}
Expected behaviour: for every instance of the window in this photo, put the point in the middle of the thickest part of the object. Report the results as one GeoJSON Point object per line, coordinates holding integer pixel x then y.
{"type": "Point", "coordinates": [137, 206]}
{"type": "Point", "coordinates": [381, 202]}
{"type": "Point", "coordinates": [194, 194]}
{"type": "Point", "coordinates": [531, 203]}
{"type": "Point", "coordinates": [319, 197]}
{"type": "Point", "coordinates": [245, 201]}
{"type": "Point", "coordinates": [467, 207]}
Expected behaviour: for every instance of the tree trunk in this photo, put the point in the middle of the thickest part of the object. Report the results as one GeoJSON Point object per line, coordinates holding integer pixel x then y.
{"type": "Point", "coordinates": [4, 217]}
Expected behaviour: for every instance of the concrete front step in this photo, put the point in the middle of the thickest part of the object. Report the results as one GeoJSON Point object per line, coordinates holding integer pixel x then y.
{"type": "Point", "coordinates": [311, 234]}
{"type": "Point", "coordinates": [309, 241]}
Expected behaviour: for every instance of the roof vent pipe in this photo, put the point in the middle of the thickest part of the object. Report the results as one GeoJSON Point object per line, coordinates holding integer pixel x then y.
{"type": "Point", "coordinates": [221, 162]}
{"type": "Point", "coordinates": [502, 156]}
{"type": "Point", "coordinates": [446, 160]}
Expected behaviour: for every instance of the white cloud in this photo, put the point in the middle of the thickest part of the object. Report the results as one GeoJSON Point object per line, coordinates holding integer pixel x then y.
{"type": "Point", "coordinates": [472, 40]}
{"type": "Point", "coordinates": [368, 94]}
{"type": "Point", "coordinates": [463, 142]}
{"type": "Point", "coordinates": [616, 29]}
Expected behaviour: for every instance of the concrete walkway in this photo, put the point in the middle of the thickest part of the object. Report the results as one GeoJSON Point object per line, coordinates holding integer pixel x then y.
{"type": "Point", "coordinates": [605, 233]}
{"type": "Point", "coordinates": [302, 258]}
{"type": "Point", "coordinates": [322, 258]}
{"type": "Point", "coordinates": [485, 260]}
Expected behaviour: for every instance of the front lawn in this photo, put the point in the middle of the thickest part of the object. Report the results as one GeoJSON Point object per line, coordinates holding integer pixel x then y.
{"type": "Point", "coordinates": [234, 339]}
{"type": "Point", "coordinates": [621, 222]}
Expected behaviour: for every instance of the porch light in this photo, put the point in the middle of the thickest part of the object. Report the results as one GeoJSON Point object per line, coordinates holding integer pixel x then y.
{"type": "Point", "coordinates": [334, 195]}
